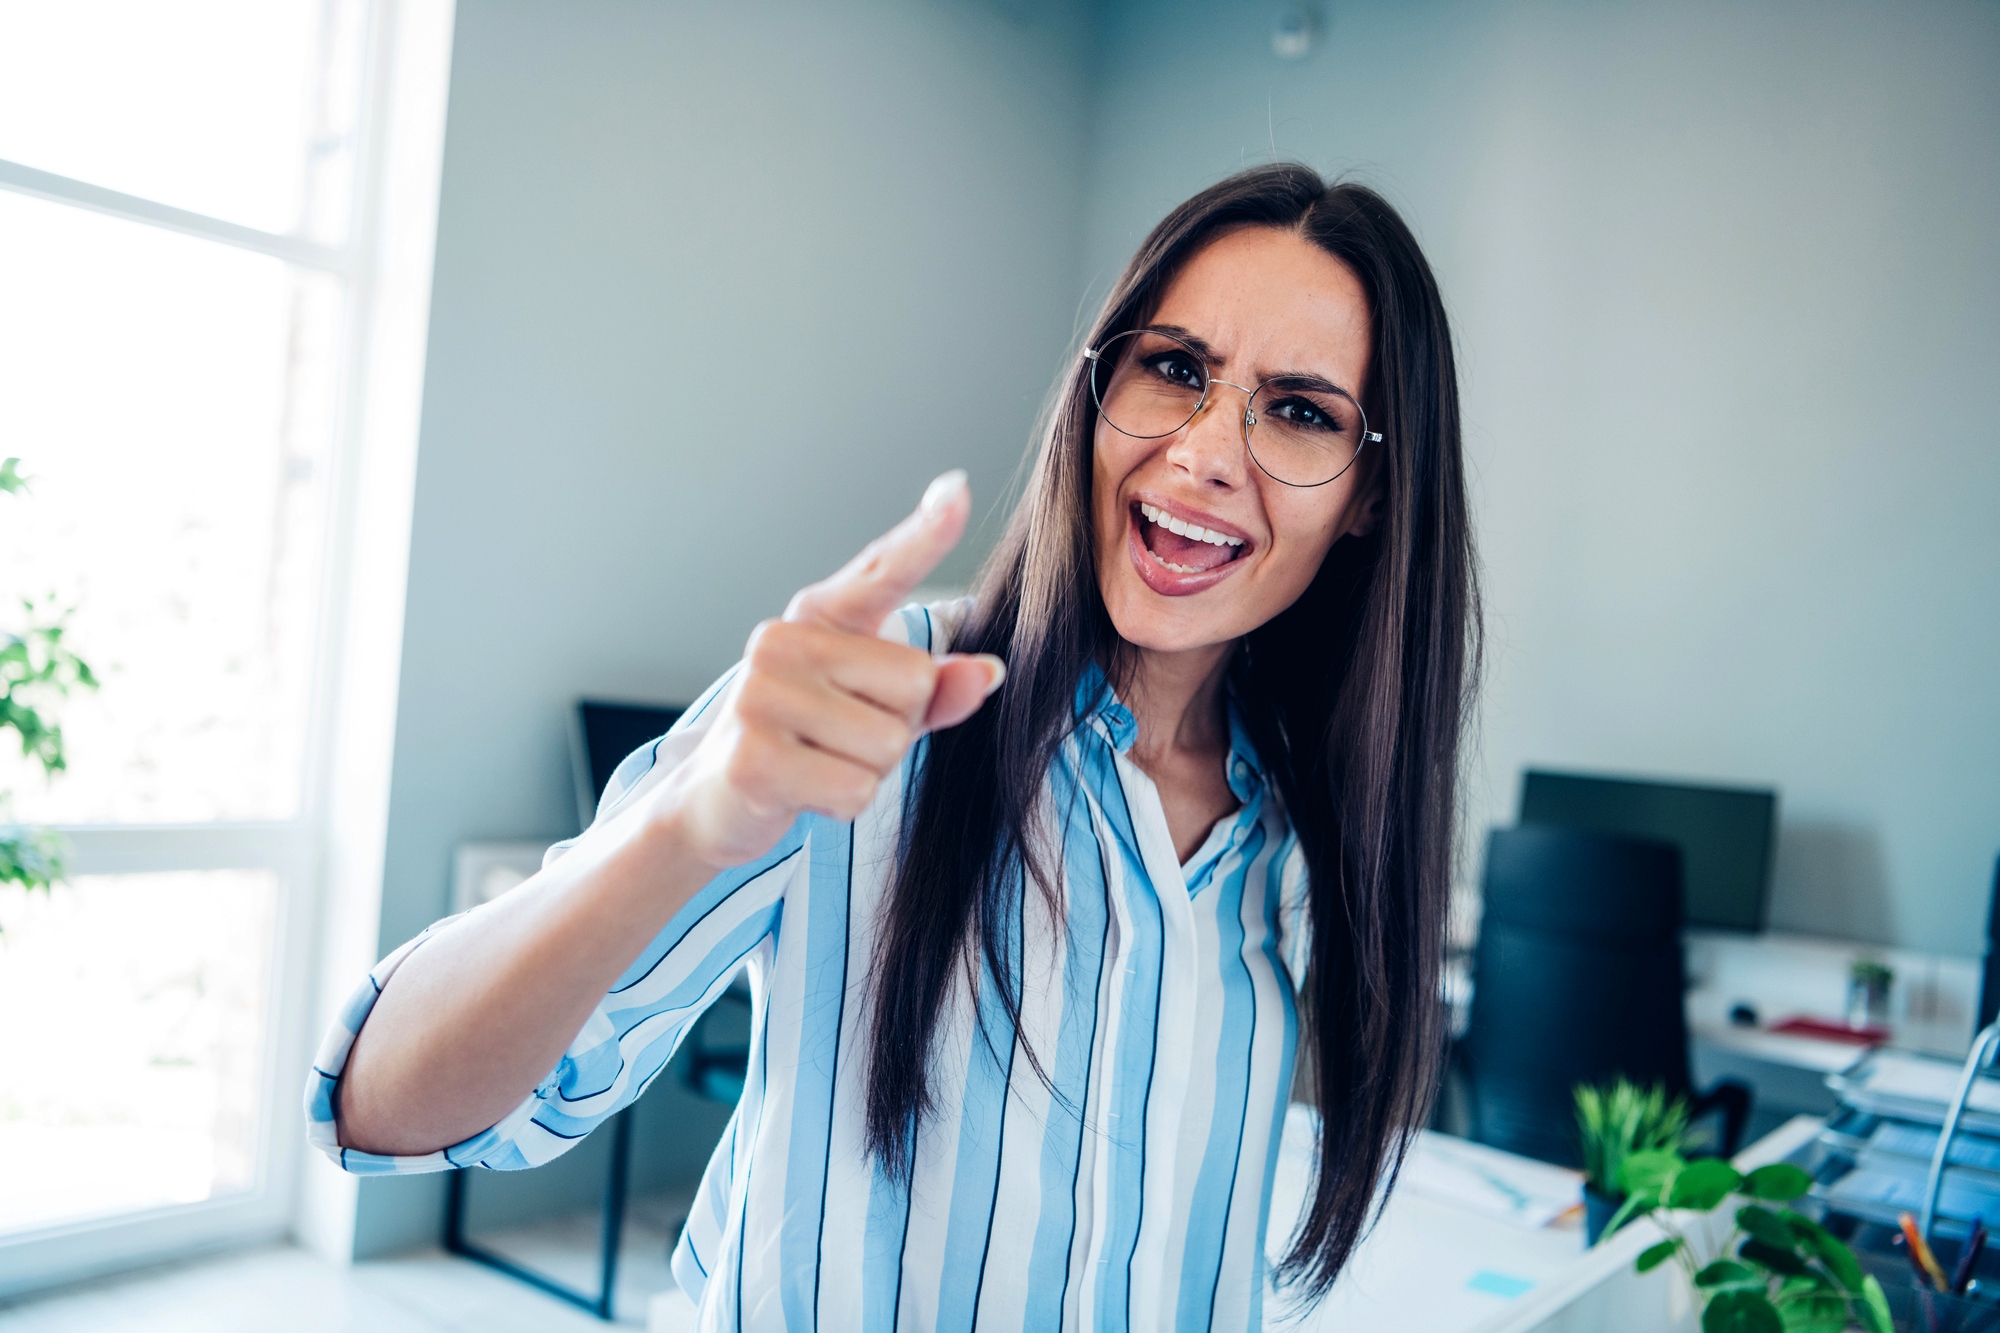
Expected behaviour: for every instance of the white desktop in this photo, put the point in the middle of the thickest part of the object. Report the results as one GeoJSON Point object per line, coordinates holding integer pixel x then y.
{"type": "Point", "coordinates": [1449, 1257]}
{"type": "Point", "coordinates": [1933, 1003]}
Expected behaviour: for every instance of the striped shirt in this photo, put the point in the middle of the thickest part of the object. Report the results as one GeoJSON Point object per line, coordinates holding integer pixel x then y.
{"type": "Point", "coordinates": [1129, 1191]}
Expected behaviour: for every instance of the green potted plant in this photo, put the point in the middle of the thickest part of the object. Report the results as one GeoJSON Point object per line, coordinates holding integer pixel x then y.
{"type": "Point", "coordinates": [37, 671]}
{"type": "Point", "coordinates": [1868, 982]}
{"type": "Point", "coordinates": [1613, 1121]}
{"type": "Point", "coordinates": [1776, 1271]}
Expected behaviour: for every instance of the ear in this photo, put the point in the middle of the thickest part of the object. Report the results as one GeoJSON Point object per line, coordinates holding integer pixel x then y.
{"type": "Point", "coordinates": [1367, 512]}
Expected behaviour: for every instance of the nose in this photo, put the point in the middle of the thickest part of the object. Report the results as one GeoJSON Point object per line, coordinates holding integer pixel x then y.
{"type": "Point", "coordinates": [1210, 447]}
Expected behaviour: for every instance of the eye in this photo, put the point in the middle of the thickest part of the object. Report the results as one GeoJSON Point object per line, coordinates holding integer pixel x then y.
{"type": "Point", "coordinates": [1304, 414]}
{"type": "Point", "coordinates": [1176, 367]}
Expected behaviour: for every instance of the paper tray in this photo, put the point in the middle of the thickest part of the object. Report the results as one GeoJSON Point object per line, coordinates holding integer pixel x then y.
{"type": "Point", "coordinates": [1904, 1085]}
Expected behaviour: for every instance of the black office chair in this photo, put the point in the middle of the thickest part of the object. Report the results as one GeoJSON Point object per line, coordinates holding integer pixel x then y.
{"type": "Point", "coordinates": [1578, 979]}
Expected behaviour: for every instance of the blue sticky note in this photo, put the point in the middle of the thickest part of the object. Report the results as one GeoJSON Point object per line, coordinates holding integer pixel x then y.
{"type": "Point", "coordinates": [1498, 1284]}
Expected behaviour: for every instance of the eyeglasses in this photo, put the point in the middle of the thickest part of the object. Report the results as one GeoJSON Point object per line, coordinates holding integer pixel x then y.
{"type": "Point", "coordinates": [1300, 429]}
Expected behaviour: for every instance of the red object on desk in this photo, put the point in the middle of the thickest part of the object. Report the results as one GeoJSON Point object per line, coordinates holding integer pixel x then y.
{"type": "Point", "coordinates": [1826, 1029]}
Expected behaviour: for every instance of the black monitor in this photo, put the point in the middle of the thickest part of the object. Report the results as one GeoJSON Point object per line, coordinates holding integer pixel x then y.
{"type": "Point", "coordinates": [1725, 834]}
{"type": "Point", "coordinates": [604, 734]}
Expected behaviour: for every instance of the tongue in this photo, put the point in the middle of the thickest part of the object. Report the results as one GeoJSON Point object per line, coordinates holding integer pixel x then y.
{"type": "Point", "coordinates": [1185, 551]}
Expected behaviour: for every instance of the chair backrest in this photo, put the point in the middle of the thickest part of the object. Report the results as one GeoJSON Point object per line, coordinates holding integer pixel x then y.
{"type": "Point", "coordinates": [1577, 978]}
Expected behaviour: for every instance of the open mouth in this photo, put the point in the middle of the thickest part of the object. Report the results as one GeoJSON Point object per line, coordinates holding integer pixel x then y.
{"type": "Point", "coordinates": [1183, 547]}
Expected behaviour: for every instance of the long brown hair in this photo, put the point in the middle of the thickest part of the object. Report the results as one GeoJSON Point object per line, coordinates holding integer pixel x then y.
{"type": "Point", "coordinates": [1355, 697]}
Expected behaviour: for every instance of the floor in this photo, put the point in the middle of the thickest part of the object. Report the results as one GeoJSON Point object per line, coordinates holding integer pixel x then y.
{"type": "Point", "coordinates": [282, 1289]}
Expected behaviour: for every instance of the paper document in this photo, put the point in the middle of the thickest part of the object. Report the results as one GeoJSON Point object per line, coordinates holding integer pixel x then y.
{"type": "Point", "coordinates": [1920, 1079]}
{"type": "Point", "coordinates": [1490, 1182]}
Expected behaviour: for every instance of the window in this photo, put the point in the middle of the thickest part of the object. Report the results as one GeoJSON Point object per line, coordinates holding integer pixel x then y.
{"type": "Point", "coordinates": [215, 223]}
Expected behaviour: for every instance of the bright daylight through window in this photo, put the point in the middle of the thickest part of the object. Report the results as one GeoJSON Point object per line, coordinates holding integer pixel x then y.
{"type": "Point", "coordinates": [178, 269]}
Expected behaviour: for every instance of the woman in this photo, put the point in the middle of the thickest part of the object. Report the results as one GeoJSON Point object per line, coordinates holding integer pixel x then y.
{"type": "Point", "coordinates": [1025, 959]}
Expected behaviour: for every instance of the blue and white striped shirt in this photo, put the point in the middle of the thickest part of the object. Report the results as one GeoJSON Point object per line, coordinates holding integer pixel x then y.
{"type": "Point", "coordinates": [1134, 1195]}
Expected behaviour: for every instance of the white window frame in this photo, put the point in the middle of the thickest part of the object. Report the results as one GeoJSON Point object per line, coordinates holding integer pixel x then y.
{"type": "Point", "coordinates": [328, 860]}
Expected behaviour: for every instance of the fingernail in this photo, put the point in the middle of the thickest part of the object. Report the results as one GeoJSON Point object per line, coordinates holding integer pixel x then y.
{"type": "Point", "coordinates": [942, 490]}
{"type": "Point", "coordinates": [999, 669]}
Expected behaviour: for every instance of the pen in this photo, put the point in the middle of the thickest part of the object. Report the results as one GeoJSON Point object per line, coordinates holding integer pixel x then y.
{"type": "Point", "coordinates": [1921, 1257]}
{"type": "Point", "coordinates": [1968, 1256]}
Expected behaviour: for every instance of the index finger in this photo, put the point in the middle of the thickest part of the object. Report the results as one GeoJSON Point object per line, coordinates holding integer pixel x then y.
{"type": "Point", "coordinates": [860, 595]}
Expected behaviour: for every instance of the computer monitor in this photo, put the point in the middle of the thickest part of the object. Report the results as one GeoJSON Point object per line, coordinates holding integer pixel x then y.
{"type": "Point", "coordinates": [603, 734]}
{"type": "Point", "coordinates": [1725, 834]}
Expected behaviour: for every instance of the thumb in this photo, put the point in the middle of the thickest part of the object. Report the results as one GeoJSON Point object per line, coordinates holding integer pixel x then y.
{"type": "Point", "coordinates": [862, 593]}
{"type": "Point", "coordinates": [964, 682]}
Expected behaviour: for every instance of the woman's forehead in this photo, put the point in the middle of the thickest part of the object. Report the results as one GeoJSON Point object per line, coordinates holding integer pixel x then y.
{"type": "Point", "coordinates": [1273, 301]}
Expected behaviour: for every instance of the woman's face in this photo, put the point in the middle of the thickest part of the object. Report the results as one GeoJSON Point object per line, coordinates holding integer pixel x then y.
{"type": "Point", "coordinates": [1258, 303]}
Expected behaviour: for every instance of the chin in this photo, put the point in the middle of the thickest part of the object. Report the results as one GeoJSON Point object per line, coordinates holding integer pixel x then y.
{"type": "Point", "coordinates": [1162, 625]}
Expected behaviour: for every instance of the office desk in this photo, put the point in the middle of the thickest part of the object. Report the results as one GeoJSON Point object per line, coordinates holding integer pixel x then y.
{"type": "Point", "coordinates": [1931, 1008]}
{"type": "Point", "coordinates": [1442, 1268]}
{"type": "Point", "coordinates": [1437, 1267]}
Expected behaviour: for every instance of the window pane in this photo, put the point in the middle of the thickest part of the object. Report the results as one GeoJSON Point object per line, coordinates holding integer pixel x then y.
{"type": "Point", "coordinates": [131, 1042]}
{"type": "Point", "coordinates": [242, 109]}
{"type": "Point", "coordinates": [172, 401]}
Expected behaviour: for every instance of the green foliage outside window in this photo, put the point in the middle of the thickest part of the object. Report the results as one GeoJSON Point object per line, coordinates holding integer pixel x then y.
{"type": "Point", "coordinates": [37, 672]}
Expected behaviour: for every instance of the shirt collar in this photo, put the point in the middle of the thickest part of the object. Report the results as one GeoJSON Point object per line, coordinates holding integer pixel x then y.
{"type": "Point", "coordinates": [1097, 702]}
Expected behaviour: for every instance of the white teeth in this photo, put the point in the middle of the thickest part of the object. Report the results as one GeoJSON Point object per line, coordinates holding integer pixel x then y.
{"type": "Point", "coordinates": [1192, 532]}
{"type": "Point", "coordinates": [1178, 569]}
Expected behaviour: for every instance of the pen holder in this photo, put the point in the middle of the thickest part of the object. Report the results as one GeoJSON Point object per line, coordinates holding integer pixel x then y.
{"type": "Point", "coordinates": [1915, 1306]}
{"type": "Point", "coordinates": [1923, 1309]}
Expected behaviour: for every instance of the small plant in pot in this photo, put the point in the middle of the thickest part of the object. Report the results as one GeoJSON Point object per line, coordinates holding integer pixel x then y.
{"type": "Point", "coordinates": [1776, 1271]}
{"type": "Point", "coordinates": [1614, 1121]}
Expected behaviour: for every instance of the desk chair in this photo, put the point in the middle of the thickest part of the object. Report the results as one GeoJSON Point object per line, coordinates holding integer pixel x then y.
{"type": "Point", "coordinates": [601, 736]}
{"type": "Point", "coordinates": [1578, 978]}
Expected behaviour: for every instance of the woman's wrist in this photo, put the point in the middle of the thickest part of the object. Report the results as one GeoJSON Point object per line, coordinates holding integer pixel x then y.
{"type": "Point", "coordinates": [672, 843]}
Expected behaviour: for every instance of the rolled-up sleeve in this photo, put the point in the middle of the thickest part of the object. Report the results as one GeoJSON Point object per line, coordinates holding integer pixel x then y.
{"type": "Point", "coordinates": [635, 1028]}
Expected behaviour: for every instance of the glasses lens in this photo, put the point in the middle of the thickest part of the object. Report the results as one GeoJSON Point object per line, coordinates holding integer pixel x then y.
{"type": "Point", "coordinates": [1303, 435]}
{"type": "Point", "coordinates": [1148, 384]}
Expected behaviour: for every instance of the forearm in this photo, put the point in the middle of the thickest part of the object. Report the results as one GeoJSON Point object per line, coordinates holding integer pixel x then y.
{"type": "Point", "coordinates": [821, 712]}
{"type": "Point", "coordinates": [480, 1014]}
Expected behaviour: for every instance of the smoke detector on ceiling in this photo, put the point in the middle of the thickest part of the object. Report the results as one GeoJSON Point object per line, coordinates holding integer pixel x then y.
{"type": "Point", "coordinates": [1292, 36]}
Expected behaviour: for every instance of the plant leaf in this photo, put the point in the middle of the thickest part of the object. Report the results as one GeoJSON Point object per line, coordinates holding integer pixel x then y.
{"type": "Point", "coordinates": [1767, 1226]}
{"type": "Point", "coordinates": [1635, 1205]}
{"type": "Point", "coordinates": [32, 858]}
{"type": "Point", "coordinates": [1873, 1307]}
{"type": "Point", "coordinates": [1655, 1255]}
{"type": "Point", "coordinates": [1797, 1288]}
{"type": "Point", "coordinates": [1726, 1273]}
{"type": "Point", "coordinates": [1823, 1313]}
{"type": "Point", "coordinates": [1650, 1172]}
{"type": "Point", "coordinates": [1817, 1241]}
{"type": "Point", "coordinates": [1703, 1183]}
{"type": "Point", "coordinates": [1741, 1312]}
{"type": "Point", "coordinates": [1780, 1182]}
{"type": "Point", "coordinates": [1771, 1257]}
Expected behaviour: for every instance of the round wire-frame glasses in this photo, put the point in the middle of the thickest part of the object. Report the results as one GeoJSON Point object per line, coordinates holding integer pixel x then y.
{"type": "Point", "coordinates": [1300, 430]}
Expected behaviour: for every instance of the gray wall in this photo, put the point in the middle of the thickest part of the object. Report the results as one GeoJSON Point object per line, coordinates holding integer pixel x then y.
{"type": "Point", "coordinates": [718, 289]}
{"type": "Point", "coordinates": [1726, 285]}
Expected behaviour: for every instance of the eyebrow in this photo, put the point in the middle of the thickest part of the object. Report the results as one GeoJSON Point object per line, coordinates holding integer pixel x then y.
{"type": "Point", "coordinates": [1310, 381]}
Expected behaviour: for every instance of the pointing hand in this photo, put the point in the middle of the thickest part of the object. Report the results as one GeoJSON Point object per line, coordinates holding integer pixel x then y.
{"type": "Point", "coordinates": [825, 709]}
